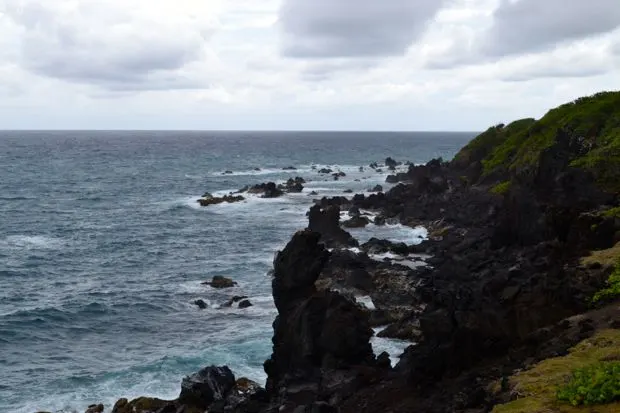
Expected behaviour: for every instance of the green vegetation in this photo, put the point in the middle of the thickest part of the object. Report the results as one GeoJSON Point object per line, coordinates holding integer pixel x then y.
{"type": "Point", "coordinates": [612, 213]}
{"type": "Point", "coordinates": [537, 389]}
{"type": "Point", "coordinates": [613, 287]}
{"type": "Point", "coordinates": [596, 384]}
{"type": "Point", "coordinates": [606, 258]}
{"type": "Point", "coordinates": [482, 145]}
{"type": "Point", "coordinates": [516, 148]}
{"type": "Point", "coordinates": [501, 188]}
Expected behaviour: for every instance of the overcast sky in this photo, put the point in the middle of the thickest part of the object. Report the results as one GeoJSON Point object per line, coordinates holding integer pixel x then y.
{"type": "Point", "coordinates": [299, 64]}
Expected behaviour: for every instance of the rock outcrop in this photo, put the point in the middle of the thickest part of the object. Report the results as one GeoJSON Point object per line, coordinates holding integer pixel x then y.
{"type": "Point", "coordinates": [219, 282]}
{"type": "Point", "coordinates": [267, 190]}
{"type": "Point", "coordinates": [326, 222]}
{"type": "Point", "coordinates": [208, 199]}
{"type": "Point", "coordinates": [321, 339]}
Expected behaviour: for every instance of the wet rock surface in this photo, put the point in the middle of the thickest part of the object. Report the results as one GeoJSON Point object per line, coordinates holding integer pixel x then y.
{"type": "Point", "coordinates": [219, 282]}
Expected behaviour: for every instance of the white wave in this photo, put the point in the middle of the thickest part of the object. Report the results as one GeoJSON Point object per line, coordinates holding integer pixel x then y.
{"type": "Point", "coordinates": [394, 233]}
{"type": "Point", "coordinates": [393, 347]}
{"type": "Point", "coordinates": [31, 242]}
{"type": "Point", "coordinates": [366, 301]}
{"type": "Point", "coordinates": [264, 171]}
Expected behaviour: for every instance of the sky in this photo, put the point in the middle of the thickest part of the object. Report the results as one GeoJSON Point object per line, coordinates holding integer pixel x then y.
{"type": "Point", "coordinates": [437, 65]}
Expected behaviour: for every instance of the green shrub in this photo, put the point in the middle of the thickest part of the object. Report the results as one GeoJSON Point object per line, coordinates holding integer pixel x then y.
{"type": "Point", "coordinates": [612, 213]}
{"type": "Point", "coordinates": [613, 287]}
{"type": "Point", "coordinates": [501, 188]}
{"type": "Point", "coordinates": [595, 384]}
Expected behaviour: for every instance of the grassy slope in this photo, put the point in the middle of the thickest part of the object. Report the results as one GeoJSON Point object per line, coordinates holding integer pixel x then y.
{"type": "Point", "coordinates": [536, 388]}
{"type": "Point", "coordinates": [596, 119]}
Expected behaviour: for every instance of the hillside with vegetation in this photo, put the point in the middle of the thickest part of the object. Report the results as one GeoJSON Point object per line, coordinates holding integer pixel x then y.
{"type": "Point", "coordinates": [589, 127]}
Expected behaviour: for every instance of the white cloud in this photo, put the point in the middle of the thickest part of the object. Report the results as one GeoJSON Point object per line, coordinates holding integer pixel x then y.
{"type": "Point", "coordinates": [281, 64]}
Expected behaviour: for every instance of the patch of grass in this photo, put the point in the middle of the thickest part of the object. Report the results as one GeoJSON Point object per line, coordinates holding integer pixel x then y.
{"type": "Point", "coordinates": [536, 389]}
{"type": "Point", "coordinates": [606, 258]}
{"type": "Point", "coordinates": [501, 188]}
{"type": "Point", "coordinates": [591, 385]}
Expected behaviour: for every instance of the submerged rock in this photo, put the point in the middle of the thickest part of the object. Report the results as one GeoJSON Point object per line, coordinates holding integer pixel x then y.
{"type": "Point", "coordinates": [325, 171]}
{"type": "Point", "coordinates": [219, 281]}
{"type": "Point", "coordinates": [289, 168]}
{"type": "Point", "coordinates": [377, 188]}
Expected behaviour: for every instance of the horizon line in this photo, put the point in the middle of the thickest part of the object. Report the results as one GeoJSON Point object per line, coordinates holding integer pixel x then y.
{"type": "Point", "coordinates": [244, 130]}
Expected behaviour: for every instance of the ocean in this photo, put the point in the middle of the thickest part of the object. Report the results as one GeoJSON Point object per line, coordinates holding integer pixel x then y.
{"type": "Point", "coordinates": [103, 249]}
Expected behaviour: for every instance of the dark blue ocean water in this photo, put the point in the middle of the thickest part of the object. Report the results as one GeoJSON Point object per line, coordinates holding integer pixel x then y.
{"type": "Point", "coordinates": [103, 249]}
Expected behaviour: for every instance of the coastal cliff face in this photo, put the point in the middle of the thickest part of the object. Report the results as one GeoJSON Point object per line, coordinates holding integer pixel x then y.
{"type": "Point", "coordinates": [524, 227]}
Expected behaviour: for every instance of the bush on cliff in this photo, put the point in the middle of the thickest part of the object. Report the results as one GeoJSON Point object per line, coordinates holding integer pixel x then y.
{"type": "Point", "coordinates": [613, 287]}
{"type": "Point", "coordinates": [596, 384]}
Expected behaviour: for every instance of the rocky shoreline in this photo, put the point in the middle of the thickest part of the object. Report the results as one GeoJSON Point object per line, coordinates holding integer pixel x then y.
{"type": "Point", "coordinates": [516, 252]}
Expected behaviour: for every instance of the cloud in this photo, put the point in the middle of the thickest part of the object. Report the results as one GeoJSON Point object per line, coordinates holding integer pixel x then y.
{"type": "Point", "coordinates": [117, 46]}
{"type": "Point", "coordinates": [526, 27]}
{"type": "Point", "coordinates": [533, 25]}
{"type": "Point", "coordinates": [353, 28]}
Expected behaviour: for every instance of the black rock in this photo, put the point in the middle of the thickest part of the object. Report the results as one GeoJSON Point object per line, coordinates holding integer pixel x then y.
{"type": "Point", "coordinates": [356, 222]}
{"type": "Point", "coordinates": [201, 304]}
{"type": "Point", "coordinates": [233, 300]}
{"type": "Point", "coordinates": [207, 386]}
{"type": "Point", "coordinates": [391, 163]}
{"type": "Point", "coordinates": [326, 222]}
{"type": "Point", "coordinates": [268, 190]}
{"type": "Point", "coordinates": [95, 408]}
{"type": "Point", "coordinates": [245, 304]}
{"type": "Point", "coordinates": [219, 281]}
{"type": "Point", "coordinates": [325, 171]}
{"type": "Point", "coordinates": [377, 188]}
{"type": "Point", "coordinates": [289, 168]}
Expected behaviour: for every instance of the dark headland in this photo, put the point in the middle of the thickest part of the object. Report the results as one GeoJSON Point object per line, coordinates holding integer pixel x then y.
{"type": "Point", "coordinates": [515, 311]}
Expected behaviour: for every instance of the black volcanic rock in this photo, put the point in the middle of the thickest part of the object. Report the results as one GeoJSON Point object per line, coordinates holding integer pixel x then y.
{"type": "Point", "coordinates": [245, 304]}
{"type": "Point", "coordinates": [219, 282]}
{"type": "Point", "coordinates": [356, 222]}
{"type": "Point", "coordinates": [315, 331]}
{"type": "Point", "coordinates": [327, 223]}
{"type": "Point", "coordinates": [206, 386]}
{"type": "Point", "coordinates": [293, 185]}
{"type": "Point", "coordinates": [268, 190]}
